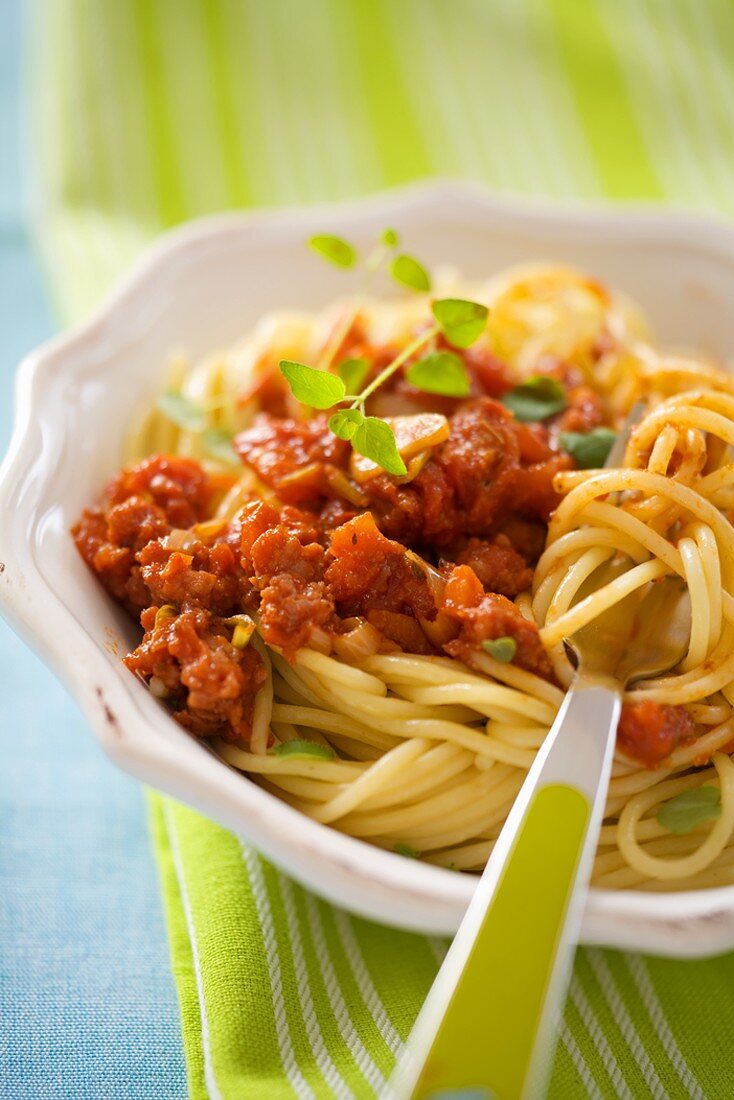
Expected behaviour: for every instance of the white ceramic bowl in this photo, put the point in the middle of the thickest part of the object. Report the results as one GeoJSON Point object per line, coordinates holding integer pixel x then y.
{"type": "Point", "coordinates": [198, 288]}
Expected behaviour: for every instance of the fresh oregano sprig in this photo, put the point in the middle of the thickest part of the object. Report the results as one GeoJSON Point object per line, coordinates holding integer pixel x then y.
{"type": "Point", "coordinates": [403, 268]}
{"type": "Point", "coordinates": [439, 372]}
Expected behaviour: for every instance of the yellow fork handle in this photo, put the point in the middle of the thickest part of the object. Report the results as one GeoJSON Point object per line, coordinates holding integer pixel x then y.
{"type": "Point", "coordinates": [487, 1026]}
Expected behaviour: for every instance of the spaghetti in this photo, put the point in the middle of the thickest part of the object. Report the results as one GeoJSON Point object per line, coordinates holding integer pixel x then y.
{"type": "Point", "coordinates": [386, 654]}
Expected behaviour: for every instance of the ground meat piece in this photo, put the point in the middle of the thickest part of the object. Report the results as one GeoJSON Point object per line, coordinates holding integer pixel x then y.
{"type": "Point", "coordinates": [141, 504]}
{"type": "Point", "coordinates": [584, 412]}
{"type": "Point", "coordinates": [296, 608]}
{"type": "Point", "coordinates": [292, 456]}
{"type": "Point", "coordinates": [497, 564]}
{"type": "Point", "coordinates": [134, 522]}
{"type": "Point", "coordinates": [530, 490]}
{"type": "Point", "coordinates": [398, 510]}
{"type": "Point", "coordinates": [370, 571]}
{"type": "Point", "coordinates": [178, 486]}
{"type": "Point", "coordinates": [482, 448]}
{"type": "Point", "coordinates": [210, 682]}
{"type": "Point", "coordinates": [459, 491]}
{"type": "Point", "coordinates": [527, 536]}
{"type": "Point", "coordinates": [114, 565]}
{"type": "Point", "coordinates": [258, 517]}
{"type": "Point", "coordinates": [488, 373]}
{"type": "Point", "coordinates": [649, 732]}
{"type": "Point", "coordinates": [478, 478]}
{"type": "Point", "coordinates": [209, 577]}
{"type": "Point", "coordinates": [335, 513]}
{"type": "Point", "coordinates": [278, 551]}
{"type": "Point", "coordinates": [255, 519]}
{"type": "Point", "coordinates": [533, 443]}
{"type": "Point", "coordinates": [296, 612]}
{"type": "Point", "coordinates": [305, 526]}
{"type": "Point", "coordinates": [484, 617]}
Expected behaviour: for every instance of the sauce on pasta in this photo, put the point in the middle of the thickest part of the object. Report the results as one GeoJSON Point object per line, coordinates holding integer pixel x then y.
{"type": "Point", "coordinates": [404, 635]}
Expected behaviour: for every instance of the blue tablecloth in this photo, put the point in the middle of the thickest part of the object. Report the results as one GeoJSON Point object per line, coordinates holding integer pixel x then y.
{"type": "Point", "coordinates": [87, 1002]}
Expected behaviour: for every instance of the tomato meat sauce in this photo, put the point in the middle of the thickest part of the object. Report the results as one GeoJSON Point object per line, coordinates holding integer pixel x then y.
{"type": "Point", "coordinates": [327, 550]}
{"type": "Point", "coordinates": [649, 732]}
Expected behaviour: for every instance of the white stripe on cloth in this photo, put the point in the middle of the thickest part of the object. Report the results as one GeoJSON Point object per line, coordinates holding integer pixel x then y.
{"type": "Point", "coordinates": [450, 148]}
{"type": "Point", "coordinates": [623, 1021]}
{"type": "Point", "coordinates": [367, 989]}
{"type": "Point", "coordinates": [267, 929]}
{"type": "Point", "coordinates": [560, 122]}
{"type": "Point", "coordinates": [60, 234]}
{"type": "Point", "coordinates": [337, 129]}
{"type": "Point", "coordinates": [643, 981]}
{"type": "Point", "coordinates": [660, 123]}
{"type": "Point", "coordinates": [209, 1075]}
{"type": "Point", "coordinates": [713, 40]}
{"type": "Point", "coordinates": [103, 241]}
{"type": "Point", "coordinates": [348, 1031]}
{"type": "Point", "coordinates": [685, 63]}
{"type": "Point", "coordinates": [590, 1022]}
{"type": "Point", "coordinates": [323, 1059]}
{"type": "Point", "coordinates": [264, 62]}
{"type": "Point", "coordinates": [525, 87]}
{"type": "Point", "coordinates": [114, 147]}
{"type": "Point", "coordinates": [587, 1078]}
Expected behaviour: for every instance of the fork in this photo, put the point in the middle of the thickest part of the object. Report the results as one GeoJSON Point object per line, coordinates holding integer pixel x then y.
{"type": "Point", "coordinates": [488, 1025]}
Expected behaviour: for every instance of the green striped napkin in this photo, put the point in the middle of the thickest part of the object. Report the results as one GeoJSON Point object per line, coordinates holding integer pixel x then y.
{"type": "Point", "coordinates": [147, 112]}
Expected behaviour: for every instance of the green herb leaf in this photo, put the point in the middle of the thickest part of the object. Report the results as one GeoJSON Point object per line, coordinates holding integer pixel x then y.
{"type": "Point", "coordinates": [313, 387]}
{"type": "Point", "coordinates": [182, 410]}
{"type": "Point", "coordinates": [218, 443]}
{"type": "Point", "coordinates": [375, 439]}
{"type": "Point", "coordinates": [441, 372]}
{"type": "Point", "coordinates": [589, 450]}
{"type": "Point", "coordinates": [502, 649]}
{"type": "Point", "coordinates": [537, 398]}
{"type": "Point", "coordinates": [406, 850]}
{"type": "Point", "coordinates": [334, 249]}
{"type": "Point", "coordinates": [406, 270]}
{"type": "Point", "coordinates": [345, 423]}
{"type": "Point", "coordinates": [683, 813]}
{"type": "Point", "coordinates": [390, 238]}
{"type": "Point", "coordinates": [305, 748]}
{"type": "Point", "coordinates": [461, 322]}
{"type": "Point", "coordinates": [353, 373]}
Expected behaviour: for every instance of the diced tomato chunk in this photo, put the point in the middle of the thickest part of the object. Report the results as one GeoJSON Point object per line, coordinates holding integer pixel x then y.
{"type": "Point", "coordinates": [649, 732]}
{"type": "Point", "coordinates": [371, 571]}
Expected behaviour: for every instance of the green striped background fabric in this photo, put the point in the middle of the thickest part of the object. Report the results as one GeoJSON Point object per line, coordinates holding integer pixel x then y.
{"type": "Point", "coordinates": [147, 112]}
